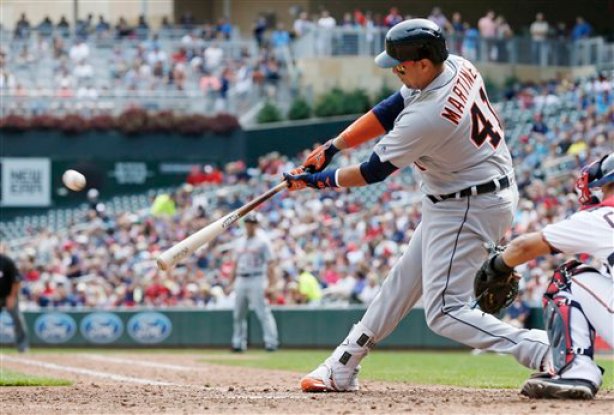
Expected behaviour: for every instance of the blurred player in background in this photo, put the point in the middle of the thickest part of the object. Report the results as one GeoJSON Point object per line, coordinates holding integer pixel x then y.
{"type": "Point", "coordinates": [10, 282]}
{"type": "Point", "coordinates": [580, 299]}
{"type": "Point", "coordinates": [254, 271]}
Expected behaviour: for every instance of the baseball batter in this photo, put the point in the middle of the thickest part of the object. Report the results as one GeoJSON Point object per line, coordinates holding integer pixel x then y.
{"type": "Point", "coordinates": [441, 122]}
{"type": "Point", "coordinates": [253, 262]}
{"type": "Point", "coordinates": [579, 299]}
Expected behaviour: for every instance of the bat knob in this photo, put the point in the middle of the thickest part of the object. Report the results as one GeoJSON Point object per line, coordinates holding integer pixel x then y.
{"type": "Point", "coordinates": [162, 264]}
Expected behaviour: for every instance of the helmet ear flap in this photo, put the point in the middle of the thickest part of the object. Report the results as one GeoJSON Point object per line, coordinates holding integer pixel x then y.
{"type": "Point", "coordinates": [582, 185]}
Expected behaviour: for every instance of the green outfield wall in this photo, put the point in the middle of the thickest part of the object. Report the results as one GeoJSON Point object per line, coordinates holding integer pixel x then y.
{"type": "Point", "coordinates": [298, 327]}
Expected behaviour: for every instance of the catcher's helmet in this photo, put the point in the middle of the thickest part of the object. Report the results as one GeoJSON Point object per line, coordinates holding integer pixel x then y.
{"type": "Point", "coordinates": [412, 40]}
{"type": "Point", "coordinates": [597, 174]}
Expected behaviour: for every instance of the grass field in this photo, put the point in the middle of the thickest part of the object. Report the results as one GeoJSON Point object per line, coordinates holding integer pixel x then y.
{"type": "Point", "coordinates": [12, 378]}
{"type": "Point", "coordinates": [443, 368]}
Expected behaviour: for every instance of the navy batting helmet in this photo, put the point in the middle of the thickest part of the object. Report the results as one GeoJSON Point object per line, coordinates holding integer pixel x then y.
{"type": "Point", "coordinates": [597, 174]}
{"type": "Point", "coordinates": [412, 40]}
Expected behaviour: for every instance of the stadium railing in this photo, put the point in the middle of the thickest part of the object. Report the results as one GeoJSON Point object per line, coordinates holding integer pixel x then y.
{"type": "Point", "coordinates": [516, 50]}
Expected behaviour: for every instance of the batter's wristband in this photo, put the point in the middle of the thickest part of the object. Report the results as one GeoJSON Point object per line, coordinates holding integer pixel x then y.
{"type": "Point", "coordinates": [500, 266]}
{"type": "Point", "coordinates": [330, 151]}
{"type": "Point", "coordinates": [326, 178]}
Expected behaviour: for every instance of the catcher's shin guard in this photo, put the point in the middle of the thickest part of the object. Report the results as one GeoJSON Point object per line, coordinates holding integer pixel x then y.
{"type": "Point", "coordinates": [558, 305]}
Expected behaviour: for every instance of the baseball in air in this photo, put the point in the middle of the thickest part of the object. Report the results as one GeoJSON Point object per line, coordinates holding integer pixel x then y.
{"type": "Point", "coordinates": [74, 180]}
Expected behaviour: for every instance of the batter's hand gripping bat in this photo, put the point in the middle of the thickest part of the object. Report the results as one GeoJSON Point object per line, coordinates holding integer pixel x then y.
{"type": "Point", "coordinates": [181, 250]}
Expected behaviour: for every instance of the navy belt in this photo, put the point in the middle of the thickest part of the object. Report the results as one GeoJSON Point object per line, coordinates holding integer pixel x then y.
{"type": "Point", "coordinates": [491, 186]}
{"type": "Point", "coordinates": [253, 274]}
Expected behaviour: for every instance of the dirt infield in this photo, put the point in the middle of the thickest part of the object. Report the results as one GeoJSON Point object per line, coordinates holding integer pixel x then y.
{"type": "Point", "coordinates": [156, 383]}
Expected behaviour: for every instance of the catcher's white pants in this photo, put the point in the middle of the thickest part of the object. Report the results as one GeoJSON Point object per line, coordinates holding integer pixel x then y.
{"type": "Point", "coordinates": [440, 264]}
{"type": "Point", "coordinates": [595, 294]}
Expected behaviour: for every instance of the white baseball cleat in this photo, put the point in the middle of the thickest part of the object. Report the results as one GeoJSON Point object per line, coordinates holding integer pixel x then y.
{"type": "Point", "coordinates": [324, 379]}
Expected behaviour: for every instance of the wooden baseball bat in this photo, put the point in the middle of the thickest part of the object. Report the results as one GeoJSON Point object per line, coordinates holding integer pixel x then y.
{"type": "Point", "coordinates": [182, 249]}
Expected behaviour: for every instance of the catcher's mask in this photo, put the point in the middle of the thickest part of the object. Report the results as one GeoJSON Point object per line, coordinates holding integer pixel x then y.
{"type": "Point", "coordinates": [597, 174]}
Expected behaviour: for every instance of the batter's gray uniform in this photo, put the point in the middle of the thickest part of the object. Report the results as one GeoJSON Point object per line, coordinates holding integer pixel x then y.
{"type": "Point", "coordinates": [252, 258]}
{"type": "Point", "coordinates": [451, 134]}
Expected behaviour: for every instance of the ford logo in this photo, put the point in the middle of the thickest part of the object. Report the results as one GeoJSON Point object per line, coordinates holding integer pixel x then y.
{"type": "Point", "coordinates": [55, 327]}
{"type": "Point", "coordinates": [7, 328]}
{"type": "Point", "coordinates": [101, 328]}
{"type": "Point", "coordinates": [149, 327]}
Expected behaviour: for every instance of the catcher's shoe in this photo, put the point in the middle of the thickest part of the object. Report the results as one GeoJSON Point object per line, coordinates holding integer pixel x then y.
{"type": "Point", "coordinates": [324, 379]}
{"type": "Point", "coordinates": [548, 388]}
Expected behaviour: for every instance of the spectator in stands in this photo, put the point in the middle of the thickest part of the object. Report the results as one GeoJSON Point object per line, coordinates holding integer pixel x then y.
{"type": "Point", "coordinates": [224, 28]}
{"type": "Point", "coordinates": [518, 313]}
{"type": "Point", "coordinates": [214, 56]}
{"type": "Point", "coordinates": [470, 42]}
{"type": "Point", "coordinates": [457, 33]}
{"type": "Point", "coordinates": [79, 52]}
{"type": "Point", "coordinates": [102, 27]}
{"type": "Point", "coordinates": [503, 34]}
{"type": "Point", "coordinates": [122, 28]}
{"type": "Point", "coordinates": [84, 27]}
{"type": "Point", "coordinates": [326, 24]}
{"type": "Point", "coordinates": [187, 20]}
{"type": "Point", "coordinates": [487, 26]}
{"type": "Point", "coordinates": [22, 27]}
{"type": "Point", "coordinates": [280, 37]}
{"type": "Point", "coordinates": [539, 34]}
{"type": "Point", "coordinates": [308, 286]}
{"type": "Point", "coordinates": [581, 30]}
{"type": "Point", "coordinates": [302, 25]}
{"type": "Point", "coordinates": [45, 27]}
{"type": "Point", "coordinates": [83, 71]}
{"type": "Point", "coordinates": [142, 28]}
{"type": "Point", "coordinates": [438, 17]}
{"type": "Point", "coordinates": [260, 27]}
{"type": "Point", "coordinates": [63, 26]}
{"type": "Point", "coordinates": [393, 17]}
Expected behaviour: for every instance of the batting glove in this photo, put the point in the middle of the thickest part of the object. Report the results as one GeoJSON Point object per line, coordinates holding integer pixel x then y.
{"type": "Point", "coordinates": [321, 157]}
{"type": "Point", "coordinates": [298, 179]}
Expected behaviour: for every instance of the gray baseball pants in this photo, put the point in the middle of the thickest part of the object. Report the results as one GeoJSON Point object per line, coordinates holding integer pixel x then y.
{"type": "Point", "coordinates": [439, 265]}
{"type": "Point", "coordinates": [19, 324]}
{"type": "Point", "coordinates": [249, 291]}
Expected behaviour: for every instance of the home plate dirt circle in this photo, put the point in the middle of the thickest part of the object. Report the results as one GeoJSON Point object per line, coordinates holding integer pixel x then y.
{"type": "Point", "coordinates": [157, 383]}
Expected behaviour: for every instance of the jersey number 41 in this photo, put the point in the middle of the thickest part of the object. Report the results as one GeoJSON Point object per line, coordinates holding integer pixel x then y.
{"type": "Point", "coordinates": [485, 124]}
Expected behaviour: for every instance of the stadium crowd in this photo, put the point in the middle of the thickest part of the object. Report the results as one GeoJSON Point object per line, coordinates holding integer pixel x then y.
{"type": "Point", "coordinates": [332, 247]}
{"type": "Point", "coordinates": [99, 63]}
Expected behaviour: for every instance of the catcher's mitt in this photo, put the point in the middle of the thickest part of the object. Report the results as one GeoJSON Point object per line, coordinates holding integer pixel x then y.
{"type": "Point", "coordinates": [495, 285]}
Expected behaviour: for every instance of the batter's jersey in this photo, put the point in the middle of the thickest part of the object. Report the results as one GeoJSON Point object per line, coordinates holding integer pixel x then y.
{"type": "Point", "coordinates": [253, 255]}
{"type": "Point", "coordinates": [450, 131]}
{"type": "Point", "coordinates": [588, 231]}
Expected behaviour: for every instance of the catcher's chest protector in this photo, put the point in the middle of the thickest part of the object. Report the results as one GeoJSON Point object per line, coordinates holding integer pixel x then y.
{"type": "Point", "coordinates": [557, 306]}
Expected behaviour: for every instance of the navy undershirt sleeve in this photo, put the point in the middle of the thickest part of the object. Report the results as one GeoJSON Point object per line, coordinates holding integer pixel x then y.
{"type": "Point", "coordinates": [374, 170]}
{"type": "Point", "coordinates": [387, 110]}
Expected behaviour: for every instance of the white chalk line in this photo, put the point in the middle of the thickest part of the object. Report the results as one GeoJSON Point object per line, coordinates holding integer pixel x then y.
{"type": "Point", "coordinates": [87, 372]}
{"type": "Point", "coordinates": [140, 381]}
{"type": "Point", "coordinates": [143, 363]}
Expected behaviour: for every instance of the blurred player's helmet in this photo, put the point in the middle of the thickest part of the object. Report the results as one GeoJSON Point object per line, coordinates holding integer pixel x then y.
{"type": "Point", "coordinates": [597, 174]}
{"type": "Point", "coordinates": [251, 217]}
{"type": "Point", "coordinates": [412, 40]}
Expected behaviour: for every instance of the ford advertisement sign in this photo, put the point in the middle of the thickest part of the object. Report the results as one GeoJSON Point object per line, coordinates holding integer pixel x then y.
{"type": "Point", "coordinates": [149, 327]}
{"type": "Point", "coordinates": [101, 328]}
{"type": "Point", "coordinates": [55, 328]}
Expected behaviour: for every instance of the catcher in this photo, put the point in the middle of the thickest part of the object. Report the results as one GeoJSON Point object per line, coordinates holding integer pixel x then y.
{"type": "Point", "coordinates": [579, 300]}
